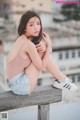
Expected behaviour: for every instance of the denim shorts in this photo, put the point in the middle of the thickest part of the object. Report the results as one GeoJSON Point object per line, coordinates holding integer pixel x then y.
{"type": "Point", "coordinates": [20, 84]}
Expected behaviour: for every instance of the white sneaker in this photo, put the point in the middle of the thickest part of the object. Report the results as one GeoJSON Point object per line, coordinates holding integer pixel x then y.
{"type": "Point", "coordinates": [65, 85]}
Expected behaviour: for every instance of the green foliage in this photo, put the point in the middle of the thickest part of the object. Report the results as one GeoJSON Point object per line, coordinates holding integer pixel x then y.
{"type": "Point", "coordinates": [71, 11]}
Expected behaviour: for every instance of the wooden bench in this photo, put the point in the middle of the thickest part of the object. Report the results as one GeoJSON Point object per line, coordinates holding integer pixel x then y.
{"type": "Point", "coordinates": [42, 96]}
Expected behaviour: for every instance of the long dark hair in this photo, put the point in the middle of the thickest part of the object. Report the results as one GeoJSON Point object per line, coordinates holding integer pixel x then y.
{"type": "Point", "coordinates": [23, 22]}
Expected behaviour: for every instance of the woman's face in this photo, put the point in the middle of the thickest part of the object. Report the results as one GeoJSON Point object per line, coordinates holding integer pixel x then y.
{"type": "Point", "coordinates": [33, 27]}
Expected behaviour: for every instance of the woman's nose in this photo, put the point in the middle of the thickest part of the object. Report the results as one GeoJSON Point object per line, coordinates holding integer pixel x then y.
{"type": "Point", "coordinates": [35, 26]}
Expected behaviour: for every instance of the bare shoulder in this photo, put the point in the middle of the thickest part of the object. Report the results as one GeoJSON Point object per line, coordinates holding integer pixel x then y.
{"type": "Point", "coordinates": [28, 45]}
{"type": "Point", "coordinates": [21, 38]}
{"type": "Point", "coordinates": [17, 47]}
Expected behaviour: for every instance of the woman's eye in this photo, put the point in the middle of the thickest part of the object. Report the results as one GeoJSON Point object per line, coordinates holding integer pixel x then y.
{"type": "Point", "coordinates": [31, 25]}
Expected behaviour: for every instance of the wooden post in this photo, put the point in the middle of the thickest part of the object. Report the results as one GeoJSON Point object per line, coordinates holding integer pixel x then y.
{"type": "Point", "coordinates": [43, 112]}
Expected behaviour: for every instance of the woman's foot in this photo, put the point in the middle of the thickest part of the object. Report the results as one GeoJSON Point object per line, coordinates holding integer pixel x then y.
{"type": "Point", "coordinates": [65, 85]}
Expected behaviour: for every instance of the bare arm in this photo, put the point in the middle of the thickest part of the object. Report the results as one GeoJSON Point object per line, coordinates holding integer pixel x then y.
{"type": "Point", "coordinates": [30, 48]}
{"type": "Point", "coordinates": [44, 49]}
{"type": "Point", "coordinates": [48, 50]}
{"type": "Point", "coordinates": [45, 57]}
{"type": "Point", "coordinates": [36, 59]}
{"type": "Point", "coordinates": [41, 47]}
{"type": "Point", "coordinates": [32, 51]}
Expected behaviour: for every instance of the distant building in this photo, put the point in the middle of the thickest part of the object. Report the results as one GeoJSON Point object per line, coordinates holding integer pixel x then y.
{"type": "Point", "coordinates": [5, 8]}
{"type": "Point", "coordinates": [18, 7]}
{"type": "Point", "coordinates": [67, 55]}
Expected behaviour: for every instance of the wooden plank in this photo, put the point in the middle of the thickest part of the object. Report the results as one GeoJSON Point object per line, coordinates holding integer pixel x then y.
{"type": "Point", "coordinates": [40, 96]}
{"type": "Point", "coordinates": [43, 112]}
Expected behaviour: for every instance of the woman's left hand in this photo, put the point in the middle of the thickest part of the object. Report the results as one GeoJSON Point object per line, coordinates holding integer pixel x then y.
{"type": "Point", "coordinates": [41, 47]}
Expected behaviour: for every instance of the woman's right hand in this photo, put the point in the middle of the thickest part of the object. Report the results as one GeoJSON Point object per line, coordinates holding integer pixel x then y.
{"type": "Point", "coordinates": [46, 38]}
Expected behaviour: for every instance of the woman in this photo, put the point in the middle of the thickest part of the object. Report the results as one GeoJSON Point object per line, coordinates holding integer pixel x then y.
{"type": "Point", "coordinates": [28, 57]}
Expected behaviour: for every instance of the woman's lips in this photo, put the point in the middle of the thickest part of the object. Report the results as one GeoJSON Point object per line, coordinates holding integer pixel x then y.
{"type": "Point", "coordinates": [36, 32]}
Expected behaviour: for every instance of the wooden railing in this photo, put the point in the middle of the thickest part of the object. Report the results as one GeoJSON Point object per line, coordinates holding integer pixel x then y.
{"type": "Point", "coordinates": [42, 96]}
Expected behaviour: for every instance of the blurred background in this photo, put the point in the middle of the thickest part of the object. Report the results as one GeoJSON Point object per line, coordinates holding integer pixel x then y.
{"type": "Point", "coordinates": [62, 23]}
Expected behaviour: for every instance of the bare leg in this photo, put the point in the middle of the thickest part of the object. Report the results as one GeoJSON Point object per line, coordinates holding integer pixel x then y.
{"type": "Point", "coordinates": [54, 70]}
{"type": "Point", "coordinates": [33, 75]}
